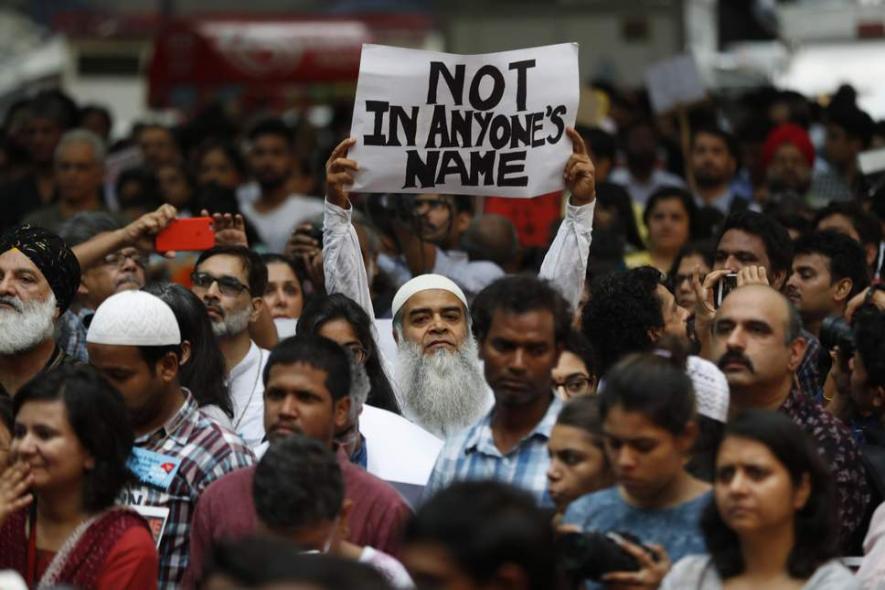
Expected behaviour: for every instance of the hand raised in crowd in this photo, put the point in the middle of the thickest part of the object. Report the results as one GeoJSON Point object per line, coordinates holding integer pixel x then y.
{"type": "Point", "coordinates": [579, 171]}
{"type": "Point", "coordinates": [652, 569]}
{"type": "Point", "coordinates": [141, 232]}
{"type": "Point", "coordinates": [302, 245]}
{"type": "Point", "coordinates": [14, 484]}
{"type": "Point", "coordinates": [339, 173]}
{"type": "Point", "coordinates": [752, 275]}
{"type": "Point", "coordinates": [704, 306]}
{"type": "Point", "coordinates": [230, 230]}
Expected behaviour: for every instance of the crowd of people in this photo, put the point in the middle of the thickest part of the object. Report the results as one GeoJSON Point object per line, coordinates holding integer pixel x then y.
{"type": "Point", "coordinates": [685, 388]}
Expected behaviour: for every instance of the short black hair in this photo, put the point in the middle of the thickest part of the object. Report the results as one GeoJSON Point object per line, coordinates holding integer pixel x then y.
{"type": "Point", "coordinates": [326, 308]}
{"type": "Point", "coordinates": [272, 126]}
{"type": "Point", "coordinates": [624, 307]}
{"type": "Point", "coordinates": [519, 294]}
{"type": "Point", "coordinates": [578, 344]}
{"type": "Point", "coordinates": [866, 225]}
{"type": "Point", "coordinates": [253, 562]}
{"type": "Point", "coordinates": [654, 385]}
{"type": "Point", "coordinates": [256, 270]}
{"type": "Point", "coordinates": [673, 192]}
{"type": "Point", "coordinates": [318, 352]}
{"type": "Point", "coordinates": [483, 525]}
{"type": "Point", "coordinates": [778, 245]}
{"type": "Point", "coordinates": [602, 143]}
{"type": "Point", "coordinates": [816, 529]}
{"type": "Point", "coordinates": [855, 122]}
{"type": "Point", "coordinates": [582, 411]}
{"type": "Point", "coordinates": [869, 341]}
{"type": "Point", "coordinates": [729, 140]}
{"type": "Point", "coordinates": [98, 417]}
{"type": "Point", "coordinates": [297, 484]}
{"type": "Point", "coordinates": [846, 258]}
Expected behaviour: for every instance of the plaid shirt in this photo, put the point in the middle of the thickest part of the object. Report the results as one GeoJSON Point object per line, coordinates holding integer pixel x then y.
{"type": "Point", "coordinates": [72, 333]}
{"type": "Point", "coordinates": [206, 452]}
{"type": "Point", "coordinates": [472, 454]}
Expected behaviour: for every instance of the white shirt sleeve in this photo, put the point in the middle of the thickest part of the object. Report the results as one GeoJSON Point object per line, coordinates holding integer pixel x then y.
{"type": "Point", "coordinates": [565, 264]}
{"type": "Point", "coordinates": [343, 264]}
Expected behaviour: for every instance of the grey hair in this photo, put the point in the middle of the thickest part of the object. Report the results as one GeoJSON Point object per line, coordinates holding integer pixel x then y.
{"type": "Point", "coordinates": [83, 136]}
{"type": "Point", "coordinates": [85, 225]}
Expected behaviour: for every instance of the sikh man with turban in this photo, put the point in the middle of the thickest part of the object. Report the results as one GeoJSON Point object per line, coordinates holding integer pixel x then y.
{"type": "Point", "coordinates": [39, 276]}
{"type": "Point", "coordinates": [438, 372]}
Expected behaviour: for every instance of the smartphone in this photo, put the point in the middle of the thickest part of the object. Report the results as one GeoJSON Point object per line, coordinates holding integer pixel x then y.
{"type": "Point", "coordinates": [194, 233]}
{"type": "Point", "coordinates": [724, 287]}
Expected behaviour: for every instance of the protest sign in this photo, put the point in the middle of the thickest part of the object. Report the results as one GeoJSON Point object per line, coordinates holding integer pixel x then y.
{"type": "Point", "coordinates": [673, 83]}
{"type": "Point", "coordinates": [491, 124]}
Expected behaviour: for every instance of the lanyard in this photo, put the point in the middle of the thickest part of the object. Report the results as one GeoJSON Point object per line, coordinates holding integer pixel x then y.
{"type": "Point", "coordinates": [31, 573]}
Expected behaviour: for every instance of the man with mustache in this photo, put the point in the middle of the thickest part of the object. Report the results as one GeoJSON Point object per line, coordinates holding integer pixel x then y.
{"type": "Point", "coordinates": [307, 383]}
{"type": "Point", "coordinates": [440, 380]}
{"type": "Point", "coordinates": [714, 161]}
{"type": "Point", "coordinates": [757, 343]}
{"type": "Point", "coordinates": [39, 276]}
{"type": "Point", "coordinates": [230, 280]}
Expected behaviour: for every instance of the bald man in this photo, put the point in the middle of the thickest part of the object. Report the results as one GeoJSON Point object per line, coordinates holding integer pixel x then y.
{"type": "Point", "coordinates": [757, 343]}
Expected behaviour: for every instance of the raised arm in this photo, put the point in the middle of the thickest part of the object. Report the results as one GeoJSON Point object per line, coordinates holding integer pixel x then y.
{"type": "Point", "coordinates": [343, 266]}
{"type": "Point", "coordinates": [565, 264]}
{"type": "Point", "coordinates": [139, 234]}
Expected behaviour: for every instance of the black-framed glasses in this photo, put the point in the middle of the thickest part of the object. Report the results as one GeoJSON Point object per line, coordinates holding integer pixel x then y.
{"type": "Point", "coordinates": [574, 385]}
{"type": "Point", "coordinates": [227, 285]}
{"type": "Point", "coordinates": [118, 259]}
{"type": "Point", "coordinates": [359, 353]}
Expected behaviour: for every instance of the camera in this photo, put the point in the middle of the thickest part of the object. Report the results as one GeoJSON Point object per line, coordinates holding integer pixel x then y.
{"type": "Point", "coordinates": [835, 331]}
{"type": "Point", "coordinates": [725, 285]}
{"type": "Point", "coordinates": [589, 556]}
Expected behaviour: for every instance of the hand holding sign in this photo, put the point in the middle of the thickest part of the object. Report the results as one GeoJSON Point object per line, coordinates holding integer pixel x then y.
{"type": "Point", "coordinates": [579, 171]}
{"type": "Point", "coordinates": [339, 174]}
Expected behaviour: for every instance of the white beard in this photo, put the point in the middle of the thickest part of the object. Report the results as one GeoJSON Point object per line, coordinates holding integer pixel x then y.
{"type": "Point", "coordinates": [27, 325]}
{"type": "Point", "coordinates": [233, 323]}
{"type": "Point", "coordinates": [443, 392]}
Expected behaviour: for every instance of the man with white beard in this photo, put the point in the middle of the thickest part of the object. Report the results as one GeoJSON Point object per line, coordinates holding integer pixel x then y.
{"type": "Point", "coordinates": [444, 390]}
{"type": "Point", "coordinates": [437, 356]}
{"type": "Point", "coordinates": [230, 280]}
{"type": "Point", "coordinates": [39, 276]}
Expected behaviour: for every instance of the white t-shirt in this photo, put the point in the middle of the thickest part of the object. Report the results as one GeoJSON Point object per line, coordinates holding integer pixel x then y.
{"type": "Point", "coordinates": [275, 227]}
{"type": "Point", "coordinates": [392, 570]}
{"type": "Point", "coordinates": [247, 394]}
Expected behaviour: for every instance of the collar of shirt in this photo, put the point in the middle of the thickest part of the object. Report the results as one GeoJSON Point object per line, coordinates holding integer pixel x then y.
{"type": "Point", "coordinates": [178, 428]}
{"type": "Point", "coordinates": [482, 440]}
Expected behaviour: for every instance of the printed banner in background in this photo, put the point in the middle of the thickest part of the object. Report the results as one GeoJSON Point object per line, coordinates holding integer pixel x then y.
{"type": "Point", "coordinates": [491, 124]}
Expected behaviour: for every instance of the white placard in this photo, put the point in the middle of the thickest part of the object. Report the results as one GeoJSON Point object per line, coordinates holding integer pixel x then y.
{"type": "Point", "coordinates": [491, 124]}
{"type": "Point", "coordinates": [674, 82]}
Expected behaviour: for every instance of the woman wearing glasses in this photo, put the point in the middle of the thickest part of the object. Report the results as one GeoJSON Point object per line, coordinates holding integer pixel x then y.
{"type": "Point", "coordinates": [574, 375]}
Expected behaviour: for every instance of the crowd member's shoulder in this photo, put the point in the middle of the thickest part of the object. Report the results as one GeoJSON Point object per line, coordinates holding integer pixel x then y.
{"type": "Point", "coordinates": [584, 509]}
{"type": "Point", "coordinates": [215, 449]}
{"type": "Point", "coordinates": [832, 576]}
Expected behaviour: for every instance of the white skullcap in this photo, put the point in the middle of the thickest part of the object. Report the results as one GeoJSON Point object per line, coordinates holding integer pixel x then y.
{"type": "Point", "coordinates": [710, 388]}
{"type": "Point", "coordinates": [425, 283]}
{"type": "Point", "coordinates": [134, 318]}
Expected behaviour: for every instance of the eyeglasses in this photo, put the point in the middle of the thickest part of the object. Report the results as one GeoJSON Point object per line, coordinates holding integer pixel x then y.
{"type": "Point", "coordinates": [359, 353]}
{"type": "Point", "coordinates": [227, 285]}
{"type": "Point", "coordinates": [119, 259]}
{"type": "Point", "coordinates": [575, 385]}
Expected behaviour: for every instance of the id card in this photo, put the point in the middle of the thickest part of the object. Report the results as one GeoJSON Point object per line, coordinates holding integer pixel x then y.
{"type": "Point", "coordinates": [152, 468]}
{"type": "Point", "coordinates": [156, 518]}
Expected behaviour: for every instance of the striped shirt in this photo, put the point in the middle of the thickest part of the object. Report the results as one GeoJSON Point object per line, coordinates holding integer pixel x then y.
{"type": "Point", "coordinates": [472, 454]}
{"type": "Point", "coordinates": [203, 452]}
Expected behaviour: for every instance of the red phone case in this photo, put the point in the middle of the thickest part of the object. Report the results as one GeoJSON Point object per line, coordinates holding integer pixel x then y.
{"type": "Point", "coordinates": [194, 233]}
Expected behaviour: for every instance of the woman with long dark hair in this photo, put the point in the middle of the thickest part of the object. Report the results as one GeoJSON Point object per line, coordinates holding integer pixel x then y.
{"type": "Point", "coordinates": [341, 319]}
{"type": "Point", "coordinates": [58, 522]}
{"type": "Point", "coordinates": [202, 367]}
{"type": "Point", "coordinates": [773, 522]}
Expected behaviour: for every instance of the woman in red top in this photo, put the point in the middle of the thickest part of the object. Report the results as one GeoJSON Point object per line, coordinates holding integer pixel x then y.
{"type": "Point", "coordinates": [58, 523]}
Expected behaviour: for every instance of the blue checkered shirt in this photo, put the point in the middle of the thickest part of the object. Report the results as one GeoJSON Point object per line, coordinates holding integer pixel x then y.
{"type": "Point", "coordinates": [207, 452]}
{"type": "Point", "coordinates": [472, 454]}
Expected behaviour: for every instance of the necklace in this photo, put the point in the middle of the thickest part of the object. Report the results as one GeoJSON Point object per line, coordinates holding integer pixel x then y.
{"type": "Point", "coordinates": [251, 393]}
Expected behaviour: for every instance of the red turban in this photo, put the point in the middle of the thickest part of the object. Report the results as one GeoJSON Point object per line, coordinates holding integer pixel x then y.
{"type": "Point", "coordinates": [787, 133]}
